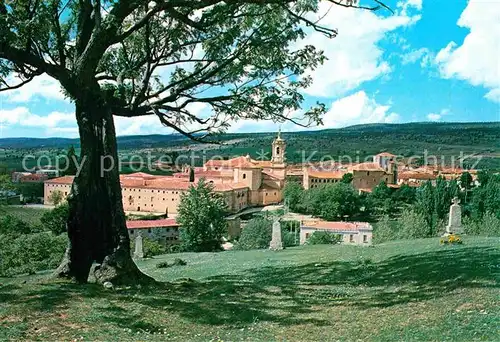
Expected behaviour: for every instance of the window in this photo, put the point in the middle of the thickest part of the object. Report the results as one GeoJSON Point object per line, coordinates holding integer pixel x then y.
{"type": "Point", "coordinates": [149, 230]}
{"type": "Point", "coordinates": [368, 173]}
{"type": "Point", "coordinates": [351, 238]}
{"type": "Point", "coordinates": [278, 150]}
{"type": "Point", "coordinates": [244, 176]}
{"type": "Point", "coordinates": [365, 238]}
{"type": "Point", "coordinates": [132, 231]}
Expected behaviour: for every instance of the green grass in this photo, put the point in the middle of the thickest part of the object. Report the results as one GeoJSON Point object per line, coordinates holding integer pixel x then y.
{"type": "Point", "coordinates": [401, 291]}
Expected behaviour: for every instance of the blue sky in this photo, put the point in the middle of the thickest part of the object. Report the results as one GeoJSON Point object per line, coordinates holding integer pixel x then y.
{"type": "Point", "coordinates": [433, 60]}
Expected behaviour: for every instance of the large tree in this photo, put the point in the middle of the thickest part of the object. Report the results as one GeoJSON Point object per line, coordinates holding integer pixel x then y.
{"type": "Point", "coordinates": [133, 58]}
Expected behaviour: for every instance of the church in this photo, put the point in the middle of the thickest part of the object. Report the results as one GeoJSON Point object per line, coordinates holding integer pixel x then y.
{"type": "Point", "coordinates": [242, 181]}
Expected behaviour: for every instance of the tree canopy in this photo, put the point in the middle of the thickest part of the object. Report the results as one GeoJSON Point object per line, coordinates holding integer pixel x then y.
{"type": "Point", "coordinates": [162, 57]}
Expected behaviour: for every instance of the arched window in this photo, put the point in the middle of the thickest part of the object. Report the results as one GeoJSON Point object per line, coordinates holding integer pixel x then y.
{"type": "Point", "coordinates": [244, 176]}
{"type": "Point", "coordinates": [277, 150]}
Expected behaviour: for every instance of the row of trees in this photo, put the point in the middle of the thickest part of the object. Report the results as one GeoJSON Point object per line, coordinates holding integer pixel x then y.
{"type": "Point", "coordinates": [413, 212]}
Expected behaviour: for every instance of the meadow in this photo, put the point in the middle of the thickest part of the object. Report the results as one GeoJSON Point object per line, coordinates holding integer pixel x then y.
{"type": "Point", "coordinates": [404, 290]}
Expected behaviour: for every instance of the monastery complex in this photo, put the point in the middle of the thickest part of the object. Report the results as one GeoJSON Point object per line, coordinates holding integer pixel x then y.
{"type": "Point", "coordinates": [245, 182]}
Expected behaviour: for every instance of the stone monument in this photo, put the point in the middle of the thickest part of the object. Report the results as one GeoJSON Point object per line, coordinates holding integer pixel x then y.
{"type": "Point", "coordinates": [276, 243]}
{"type": "Point", "coordinates": [455, 220]}
{"type": "Point", "coordinates": [138, 253]}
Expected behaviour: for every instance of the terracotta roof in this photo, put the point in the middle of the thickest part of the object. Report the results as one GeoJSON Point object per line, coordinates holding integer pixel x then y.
{"type": "Point", "coordinates": [230, 187]}
{"type": "Point", "coordinates": [272, 175]}
{"type": "Point", "coordinates": [155, 182]}
{"type": "Point", "coordinates": [368, 190]}
{"type": "Point", "coordinates": [140, 175]}
{"type": "Point", "coordinates": [367, 167]}
{"type": "Point", "coordinates": [416, 175]}
{"type": "Point", "coordinates": [61, 180]}
{"type": "Point", "coordinates": [242, 162]}
{"type": "Point", "coordinates": [337, 226]}
{"type": "Point", "coordinates": [327, 174]}
{"type": "Point", "coordinates": [204, 173]}
{"type": "Point", "coordinates": [269, 186]}
{"type": "Point", "coordinates": [152, 224]}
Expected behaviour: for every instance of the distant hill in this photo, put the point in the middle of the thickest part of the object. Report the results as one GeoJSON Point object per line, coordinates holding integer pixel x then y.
{"type": "Point", "coordinates": [442, 139]}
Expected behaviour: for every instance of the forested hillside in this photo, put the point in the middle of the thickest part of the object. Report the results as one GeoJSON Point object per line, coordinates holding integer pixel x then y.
{"type": "Point", "coordinates": [445, 140]}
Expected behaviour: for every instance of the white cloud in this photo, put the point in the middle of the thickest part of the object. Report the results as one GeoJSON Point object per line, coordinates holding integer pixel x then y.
{"type": "Point", "coordinates": [43, 85]}
{"type": "Point", "coordinates": [493, 95]}
{"type": "Point", "coordinates": [434, 117]}
{"type": "Point", "coordinates": [354, 109]}
{"type": "Point", "coordinates": [151, 124]}
{"type": "Point", "coordinates": [358, 108]}
{"type": "Point", "coordinates": [438, 116]}
{"type": "Point", "coordinates": [406, 5]}
{"type": "Point", "coordinates": [354, 56]}
{"type": "Point", "coordinates": [22, 116]}
{"type": "Point", "coordinates": [476, 60]}
{"type": "Point", "coordinates": [424, 55]}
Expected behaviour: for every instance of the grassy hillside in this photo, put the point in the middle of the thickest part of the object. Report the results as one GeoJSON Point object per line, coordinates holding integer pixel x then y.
{"type": "Point", "coordinates": [26, 214]}
{"type": "Point", "coordinates": [409, 290]}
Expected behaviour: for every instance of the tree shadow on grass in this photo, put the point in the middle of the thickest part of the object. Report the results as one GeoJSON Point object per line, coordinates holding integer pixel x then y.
{"type": "Point", "coordinates": [281, 295]}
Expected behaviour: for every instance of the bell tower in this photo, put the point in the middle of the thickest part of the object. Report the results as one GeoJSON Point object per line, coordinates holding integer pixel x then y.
{"type": "Point", "coordinates": [279, 146]}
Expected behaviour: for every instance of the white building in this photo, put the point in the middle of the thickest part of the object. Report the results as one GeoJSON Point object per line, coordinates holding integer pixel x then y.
{"type": "Point", "coordinates": [358, 233]}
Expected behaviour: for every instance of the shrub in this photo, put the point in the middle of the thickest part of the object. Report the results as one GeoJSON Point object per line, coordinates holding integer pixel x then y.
{"type": "Point", "coordinates": [176, 262]}
{"type": "Point", "coordinates": [289, 238]}
{"type": "Point", "coordinates": [179, 262]}
{"type": "Point", "coordinates": [163, 264]}
{"type": "Point", "coordinates": [488, 225]}
{"type": "Point", "coordinates": [256, 234]}
{"type": "Point", "coordinates": [385, 230]}
{"type": "Point", "coordinates": [55, 219]}
{"type": "Point", "coordinates": [30, 253]}
{"type": "Point", "coordinates": [413, 225]}
{"type": "Point", "coordinates": [324, 238]}
{"type": "Point", "coordinates": [150, 247]}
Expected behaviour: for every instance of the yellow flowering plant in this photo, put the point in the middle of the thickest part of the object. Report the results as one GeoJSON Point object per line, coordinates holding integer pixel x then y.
{"type": "Point", "coordinates": [451, 239]}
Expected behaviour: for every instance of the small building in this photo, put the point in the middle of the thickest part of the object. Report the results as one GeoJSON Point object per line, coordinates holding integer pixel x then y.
{"type": "Point", "coordinates": [164, 231]}
{"type": "Point", "coordinates": [33, 178]}
{"type": "Point", "coordinates": [356, 233]}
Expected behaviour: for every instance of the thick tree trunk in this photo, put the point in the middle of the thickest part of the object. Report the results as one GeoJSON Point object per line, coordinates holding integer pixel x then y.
{"type": "Point", "coordinates": [96, 226]}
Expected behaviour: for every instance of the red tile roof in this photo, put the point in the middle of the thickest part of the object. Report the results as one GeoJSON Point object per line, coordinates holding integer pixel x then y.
{"type": "Point", "coordinates": [327, 174]}
{"type": "Point", "coordinates": [367, 167]}
{"type": "Point", "coordinates": [61, 180]}
{"type": "Point", "coordinates": [171, 222]}
{"type": "Point", "coordinates": [242, 162]}
{"type": "Point", "coordinates": [337, 226]}
{"type": "Point", "coordinates": [416, 175]}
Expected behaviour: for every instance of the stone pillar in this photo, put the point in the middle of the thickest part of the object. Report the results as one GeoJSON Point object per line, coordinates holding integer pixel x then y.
{"type": "Point", "coordinates": [276, 243]}
{"type": "Point", "coordinates": [138, 253]}
{"type": "Point", "coordinates": [455, 220]}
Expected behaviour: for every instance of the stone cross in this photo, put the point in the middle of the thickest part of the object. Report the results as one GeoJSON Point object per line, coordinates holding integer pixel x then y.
{"type": "Point", "coordinates": [455, 220]}
{"type": "Point", "coordinates": [138, 253]}
{"type": "Point", "coordinates": [276, 243]}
